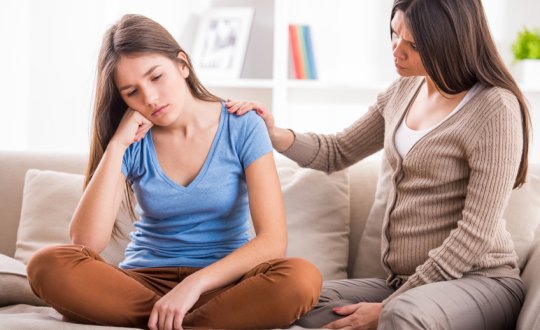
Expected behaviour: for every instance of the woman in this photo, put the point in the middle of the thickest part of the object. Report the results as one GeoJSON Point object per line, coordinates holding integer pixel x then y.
{"type": "Point", "coordinates": [455, 134]}
{"type": "Point", "coordinates": [192, 167]}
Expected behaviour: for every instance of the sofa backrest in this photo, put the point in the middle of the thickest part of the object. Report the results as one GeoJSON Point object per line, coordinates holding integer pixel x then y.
{"type": "Point", "coordinates": [13, 167]}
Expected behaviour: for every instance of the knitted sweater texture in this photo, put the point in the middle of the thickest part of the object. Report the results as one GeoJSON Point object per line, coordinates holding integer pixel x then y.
{"type": "Point", "coordinates": [443, 201]}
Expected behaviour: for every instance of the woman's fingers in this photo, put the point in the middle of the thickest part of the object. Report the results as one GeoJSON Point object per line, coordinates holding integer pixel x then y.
{"type": "Point", "coordinates": [236, 106]}
{"type": "Point", "coordinates": [241, 107]}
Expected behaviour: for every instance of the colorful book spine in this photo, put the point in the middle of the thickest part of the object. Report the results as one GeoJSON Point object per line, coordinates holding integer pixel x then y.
{"type": "Point", "coordinates": [302, 54]}
{"type": "Point", "coordinates": [296, 53]}
{"type": "Point", "coordinates": [309, 52]}
{"type": "Point", "coordinates": [305, 58]}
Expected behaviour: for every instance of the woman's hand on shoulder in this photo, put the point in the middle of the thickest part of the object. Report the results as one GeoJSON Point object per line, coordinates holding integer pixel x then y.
{"type": "Point", "coordinates": [241, 107]}
{"type": "Point", "coordinates": [132, 128]}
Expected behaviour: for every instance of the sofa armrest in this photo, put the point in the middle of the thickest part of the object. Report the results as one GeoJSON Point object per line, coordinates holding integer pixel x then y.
{"type": "Point", "coordinates": [529, 318]}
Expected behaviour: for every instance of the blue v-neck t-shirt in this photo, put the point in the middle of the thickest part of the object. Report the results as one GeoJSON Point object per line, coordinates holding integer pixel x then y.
{"type": "Point", "coordinates": [197, 224]}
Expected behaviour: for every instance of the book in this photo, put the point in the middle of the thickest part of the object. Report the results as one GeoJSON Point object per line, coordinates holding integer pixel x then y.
{"type": "Point", "coordinates": [312, 68]}
{"type": "Point", "coordinates": [296, 53]}
{"type": "Point", "coordinates": [302, 53]}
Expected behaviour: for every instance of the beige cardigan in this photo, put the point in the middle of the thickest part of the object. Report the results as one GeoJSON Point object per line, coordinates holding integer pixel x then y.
{"type": "Point", "coordinates": [443, 202]}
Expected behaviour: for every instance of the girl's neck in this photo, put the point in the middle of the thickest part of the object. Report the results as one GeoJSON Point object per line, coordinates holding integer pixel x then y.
{"type": "Point", "coordinates": [195, 115]}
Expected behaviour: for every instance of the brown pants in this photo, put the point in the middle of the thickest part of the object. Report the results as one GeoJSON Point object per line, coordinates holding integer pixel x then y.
{"type": "Point", "coordinates": [83, 287]}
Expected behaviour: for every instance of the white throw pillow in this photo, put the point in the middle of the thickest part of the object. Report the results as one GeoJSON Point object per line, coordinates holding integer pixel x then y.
{"type": "Point", "coordinates": [368, 256]}
{"type": "Point", "coordinates": [523, 216]}
{"type": "Point", "coordinates": [49, 200]}
{"type": "Point", "coordinates": [317, 209]}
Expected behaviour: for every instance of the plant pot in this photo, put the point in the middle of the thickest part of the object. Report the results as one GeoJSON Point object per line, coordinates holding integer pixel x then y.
{"type": "Point", "coordinates": [529, 72]}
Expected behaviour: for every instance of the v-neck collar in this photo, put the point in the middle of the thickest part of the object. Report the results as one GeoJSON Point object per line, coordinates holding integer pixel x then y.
{"type": "Point", "coordinates": [437, 127]}
{"type": "Point", "coordinates": [191, 185]}
{"type": "Point", "coordinates": [401, 114]}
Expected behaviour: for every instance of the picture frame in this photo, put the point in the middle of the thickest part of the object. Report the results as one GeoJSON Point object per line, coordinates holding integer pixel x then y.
{"type": "Point", "coordinates": [221, 42]}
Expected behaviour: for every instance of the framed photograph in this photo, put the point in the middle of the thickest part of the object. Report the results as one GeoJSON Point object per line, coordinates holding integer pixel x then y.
{"type": "Point", "coordinates": [221, 42]}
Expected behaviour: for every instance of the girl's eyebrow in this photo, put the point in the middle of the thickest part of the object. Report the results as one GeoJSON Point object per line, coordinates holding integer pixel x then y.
{"type": "Point", "coordinates": [144, 75]}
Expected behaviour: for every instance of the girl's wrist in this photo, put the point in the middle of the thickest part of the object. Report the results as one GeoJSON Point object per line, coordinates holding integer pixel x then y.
{"type": "Point", "coordinates": [197, 282]}
{"type": "Point", "coordinates": [114, 145]}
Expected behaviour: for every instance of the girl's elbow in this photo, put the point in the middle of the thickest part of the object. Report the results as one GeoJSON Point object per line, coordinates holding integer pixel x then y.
{"type": "Point", "coordinates": [93, 244]}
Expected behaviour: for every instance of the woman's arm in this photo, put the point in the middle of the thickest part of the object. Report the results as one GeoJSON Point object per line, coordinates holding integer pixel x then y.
{"type": "Point", "coordinates": [327, 152]}
{"type": "Point", "coordinates": [268, 215]}
{"type": "Point", "coordinates": [93, 220]}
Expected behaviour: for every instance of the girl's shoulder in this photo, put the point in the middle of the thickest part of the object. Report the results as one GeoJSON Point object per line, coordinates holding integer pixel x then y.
{"type": "Point", "coordinates": [245, 123]}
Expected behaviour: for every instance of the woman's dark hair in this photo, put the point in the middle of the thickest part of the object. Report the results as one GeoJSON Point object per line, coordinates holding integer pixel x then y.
{"type": "Point", "coordinates": [131, 35]}
{"type": "Point", "coordinates": [457, 51]}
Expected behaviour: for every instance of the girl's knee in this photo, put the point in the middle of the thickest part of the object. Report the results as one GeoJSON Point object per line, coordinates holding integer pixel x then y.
{"type": "Point", "coordinates": [304, 280]}
{"type": "Point", "coordinates": [49, 261]}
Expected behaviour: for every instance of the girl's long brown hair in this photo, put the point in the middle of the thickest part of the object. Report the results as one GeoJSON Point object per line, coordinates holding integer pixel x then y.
{"type": "Point", "coordinates": [457, 51]}
{"type": "Point", "coordinates": [132, 34]}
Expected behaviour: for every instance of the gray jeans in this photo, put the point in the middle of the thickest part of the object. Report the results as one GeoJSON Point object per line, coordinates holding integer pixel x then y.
{"type": "Point", "coordinates": [472, 302]}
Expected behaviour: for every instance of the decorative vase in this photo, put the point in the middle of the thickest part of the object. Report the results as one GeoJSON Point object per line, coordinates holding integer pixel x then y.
{"type": "Point", "coordinates": [529, 72]}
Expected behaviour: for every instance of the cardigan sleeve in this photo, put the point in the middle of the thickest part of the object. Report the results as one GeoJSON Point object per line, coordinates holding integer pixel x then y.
{"type": "Point", "coordinates": [494, 162]}
{"type": "Point", "coordinates": [334, 152]}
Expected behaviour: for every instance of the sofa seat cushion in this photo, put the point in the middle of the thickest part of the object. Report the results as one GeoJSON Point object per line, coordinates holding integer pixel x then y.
{"type": "Point", "coordinates": [34, 317]}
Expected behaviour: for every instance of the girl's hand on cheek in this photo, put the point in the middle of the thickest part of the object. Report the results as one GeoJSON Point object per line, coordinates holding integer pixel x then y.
{"type": "Point", "coordinates": [132, 128]}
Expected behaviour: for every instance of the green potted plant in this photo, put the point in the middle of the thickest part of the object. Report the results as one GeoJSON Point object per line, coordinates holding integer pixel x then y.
{"type": "Point", "coordinates": [526, 51]}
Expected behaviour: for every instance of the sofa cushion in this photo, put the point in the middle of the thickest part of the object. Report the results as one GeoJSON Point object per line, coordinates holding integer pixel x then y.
{"type": "Point", "coordinates": [25, 317]}
{"type": "Point", "coordinates": [368, 257]}
{"type": "Point", "coordinates": [49, 200]}
{"type": "Point", "coordinates": [529, 318]}
{"type": "Point", "coordinates": [317, 209]}
{"type": "Point", "coordinates": [14, 288]}
{"type": "Point", "coordinates": [523, 216]}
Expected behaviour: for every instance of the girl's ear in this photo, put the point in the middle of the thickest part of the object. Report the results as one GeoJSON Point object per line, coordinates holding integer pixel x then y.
{"type": "Point", "coordinates": [182, 66]}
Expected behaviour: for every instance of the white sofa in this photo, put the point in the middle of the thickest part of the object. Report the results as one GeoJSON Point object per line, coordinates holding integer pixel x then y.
{"type": "Point", "coordinates": [326, 217]}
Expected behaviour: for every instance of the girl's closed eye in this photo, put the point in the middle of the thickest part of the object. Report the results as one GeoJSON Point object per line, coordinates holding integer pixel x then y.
{"type": "Point", "coordinates": [132, 93]}
{"type": "Point", "coordinates": [156, 77]}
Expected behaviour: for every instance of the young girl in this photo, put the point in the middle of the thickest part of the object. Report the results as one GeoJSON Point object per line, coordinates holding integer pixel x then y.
{"type": "Point", "coordinates": [192, 167]}
{"type": "Point", "coordinates": [455, 133]}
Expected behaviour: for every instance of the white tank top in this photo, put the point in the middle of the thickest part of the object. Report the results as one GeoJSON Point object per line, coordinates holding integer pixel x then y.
{"type": "Point", "coordinates": [405, 138]}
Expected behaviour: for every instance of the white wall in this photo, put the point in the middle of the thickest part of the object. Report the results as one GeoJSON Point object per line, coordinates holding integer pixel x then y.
{"type": "Point", "coordinates": [49, 54]}
{"type": "Point", "coordinates": [14, 85]}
